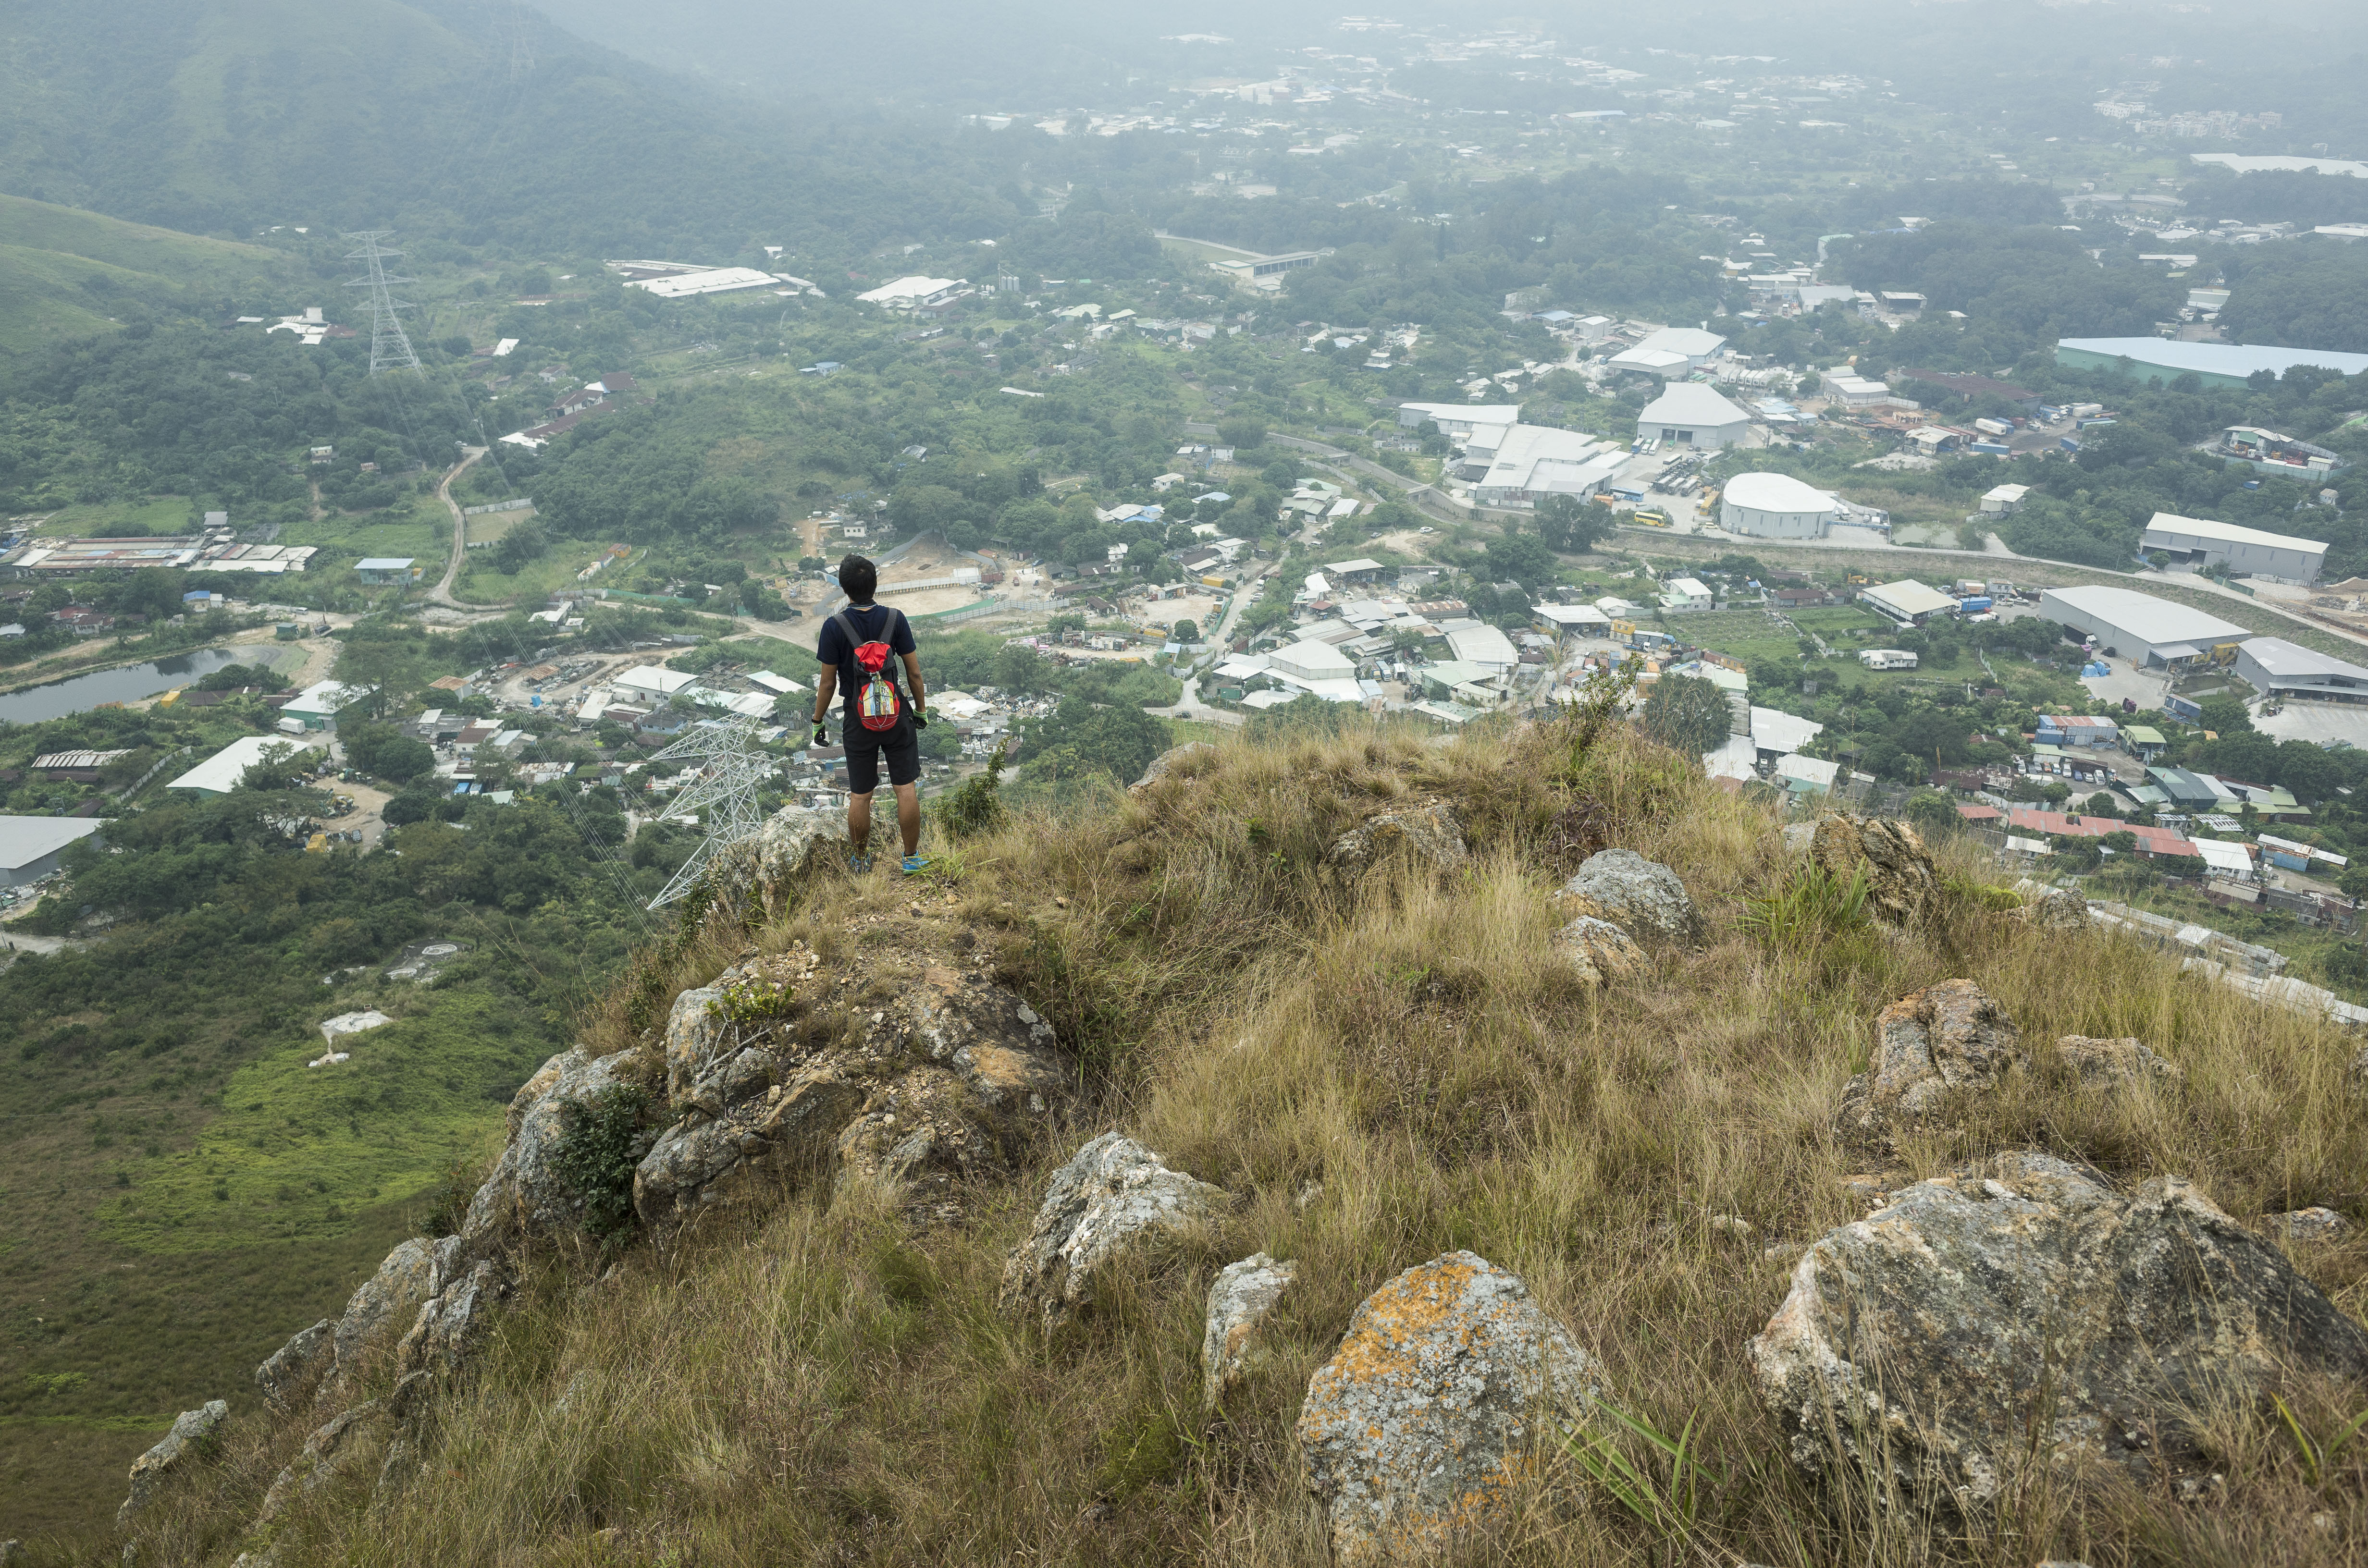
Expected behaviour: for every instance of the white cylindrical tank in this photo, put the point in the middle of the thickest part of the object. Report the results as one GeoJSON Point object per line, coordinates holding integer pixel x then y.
{"type": "Point", "coordinates": [1774, 506]}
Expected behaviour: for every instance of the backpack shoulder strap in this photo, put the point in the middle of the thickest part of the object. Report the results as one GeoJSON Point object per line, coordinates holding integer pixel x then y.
{"type": "Point", "coordinates": [854, 638]}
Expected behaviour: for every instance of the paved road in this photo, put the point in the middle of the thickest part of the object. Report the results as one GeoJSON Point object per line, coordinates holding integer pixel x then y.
{"type": "Point", "coordinates": [442, 592]}
{"type": "Point", "coordinates": [1188, 704]}
{"type": "Point", "coordinates": [1429, 498]}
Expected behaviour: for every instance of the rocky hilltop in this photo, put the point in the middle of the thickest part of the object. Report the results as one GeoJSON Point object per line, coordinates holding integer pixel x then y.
{"type": "Point", "coordinates": [1359, 1152]}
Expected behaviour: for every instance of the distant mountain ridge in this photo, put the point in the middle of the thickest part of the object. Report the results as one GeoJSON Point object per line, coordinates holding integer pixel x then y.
{"type": "Point", "coordinates": [477, 121]}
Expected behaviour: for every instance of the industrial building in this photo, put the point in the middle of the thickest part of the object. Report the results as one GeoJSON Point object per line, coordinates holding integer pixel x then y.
{"type": "Point", "coordinates": [1672, 352]}
{"type": "Point", "coordinates": [913, 293]}
{"type": "Point", "coordinates": [1907, 601]}
{"type": "Point", "coordinates": [1531, 461]}
{"type": "Point", "coordinates": [2278, 668]}
{"type": "Point", "coordinates": [1774, 506]}
{"type": "Point", "coordinates": [30, 846]}
{"type": "Point", "coordinates": [220, 774]}
{"type": "Point", "coordinates": [2160, 360]}
{"type": "Point", "coordinates": [1690, 414]}
{"type": "Point", "coordinates": [705, 280]}
{"type": "Point", "coordinates": [1457, 421]}
{"type": "Point", "coordinates": [2139, 627]}
{"type": "Point", "coordinates": [2245, 553]}
{"type": "Point", "coordinates": [384, 571]}
{"type": "Point", "coordinates": [317, 705]}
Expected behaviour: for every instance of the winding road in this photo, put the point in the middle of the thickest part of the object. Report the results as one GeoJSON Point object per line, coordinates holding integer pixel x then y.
{"type": "Point", "coordinates": [442, 592]}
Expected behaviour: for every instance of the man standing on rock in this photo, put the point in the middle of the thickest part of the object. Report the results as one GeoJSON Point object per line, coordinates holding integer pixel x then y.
{"type": "Point", "coordinates": [862, 624]}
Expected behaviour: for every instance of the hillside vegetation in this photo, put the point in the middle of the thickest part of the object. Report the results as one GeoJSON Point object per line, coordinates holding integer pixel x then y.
{"type": "Point", "coordinates": [1378, 1071]}
{"type": "Point", "coordinates": [66, 274]}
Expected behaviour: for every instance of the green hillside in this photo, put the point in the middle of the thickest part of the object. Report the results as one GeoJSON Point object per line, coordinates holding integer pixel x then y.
{"type": "Point", "coordinates": [66, 273]}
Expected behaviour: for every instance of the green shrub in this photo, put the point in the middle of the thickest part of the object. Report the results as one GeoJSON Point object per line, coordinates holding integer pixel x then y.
{"type": "Point", "coordinates": [976, 807]}
{"type": "Point", "coordinates": [600, 1143]}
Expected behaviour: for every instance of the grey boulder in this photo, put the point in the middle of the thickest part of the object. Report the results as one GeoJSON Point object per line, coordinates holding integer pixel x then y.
{"type": "Point", "coordinates": [1430, 835]}
{"type": "Point", "coordinates": [1643, 897]}
{"type": "Point", "coordinates": [1113, 1197]}
{"type": "Point", "coordinates": [1164, 761]}
{"type": "Point", "coordinates": [453, 1321]}
{"type": "Point", "coordinates": [2312, 1225]}
{"type": "Point", "coordinates": [191, 1437]}
{"type": "Point", "coordinates": [1419, 1428]}
{"type": "Point", "coordinates": [1240, 1300]}
{"type": "Point", "coordinates": [2057, 909]}
{"type": "Point", "coordinates": [380, 1308]}
{"type": "Point", "coordinates": [2022, 1313]}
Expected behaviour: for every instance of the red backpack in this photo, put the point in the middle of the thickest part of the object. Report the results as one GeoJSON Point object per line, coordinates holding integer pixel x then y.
{"type": "Point", "coordinates": [878, 704]}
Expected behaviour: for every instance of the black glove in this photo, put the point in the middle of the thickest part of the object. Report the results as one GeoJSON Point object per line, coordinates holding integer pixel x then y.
{"type": "Point", "coordinates": [920, 719]}
{"type": "Point", "coordinates": [819, 739]}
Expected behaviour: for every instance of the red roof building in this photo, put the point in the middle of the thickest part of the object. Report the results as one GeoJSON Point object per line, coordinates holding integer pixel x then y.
{"type": "Point", "coordinates": [2151, 840]}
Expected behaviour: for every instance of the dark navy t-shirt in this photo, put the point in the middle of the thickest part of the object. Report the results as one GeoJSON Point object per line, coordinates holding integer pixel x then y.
{"type": "Point", "coordinates": [879, 623]}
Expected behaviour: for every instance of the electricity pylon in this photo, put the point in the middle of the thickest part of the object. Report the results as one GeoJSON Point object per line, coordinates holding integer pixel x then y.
{"type": "Point", "coordinates": [390, 348]}
{"type": "Point", "coordinates": [731, 778]}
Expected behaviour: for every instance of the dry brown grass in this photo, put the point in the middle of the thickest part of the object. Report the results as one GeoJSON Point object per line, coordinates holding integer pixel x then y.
{"type": "Point", "coordinates": [827, 1386]}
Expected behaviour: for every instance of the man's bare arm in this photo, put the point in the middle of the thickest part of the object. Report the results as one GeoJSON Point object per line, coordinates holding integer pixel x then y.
{"type": "Point", "coordinates": [824, 688]}
{"type": "Point", "coordinates": [913, 674]}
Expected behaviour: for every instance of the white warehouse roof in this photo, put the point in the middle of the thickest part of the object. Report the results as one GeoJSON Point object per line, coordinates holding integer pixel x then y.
{"type": "Point", "coordinates": [221, 772]}
{"type": "Point", "coordinates": [2229, 533]}
{"type": "Point", "coordinates": [2144, 616]}
{"type": "Point", "coordinates": [2216, 359]}
{"type": "Point", "coordinates": [2289, 662]}
{"type": "Point", "coordinates": [1774, 492]}
{"type": "Point", "coordinates": [1691, 341]}
{"type": "Point", "coordinates": [1692, 403]}
{"type": "Point", "coordinates": [649, 677]}
{"type": "Point", "coordinates": [714, 280]}
{"type": "Point", "coordinates": [905, 289]}
{"type": "Point", "coordinates": [1909, 597]}
{"type": "Point", "coordinates": [1482, 644]}
{"type": "Point", "coordinates": [24, 840]}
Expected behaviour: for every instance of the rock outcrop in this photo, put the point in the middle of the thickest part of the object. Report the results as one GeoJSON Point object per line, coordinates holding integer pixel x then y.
{"type": "Point", "coordinates": [191, 1436]}
{"type": "Point", "coordinates": [1643, 897]}
{"type": "Point", "coordinates": [1240, 1300]}
{"type": "Point", "coordinates": [1166, 761]}
{"type": "Point", "coordinates": [1420, 1426]}
{"type": "Point", "coordinates": [1114, 1197]}
{"type": "Point", "coordinates": [379, 1310]}
{"type": "Point", "coordinates": [1946, 1038]}
{"type": "Point", "coordinates": [787, 1066]}
{"type": "Point", "coordinates": [1601, 952]}
{"type": "Point", "coordinates": [795, 845]}
{"type": "Point", "coordinates": [2115, 1063]}
{"type": "Point", "coordinates": [1902, 890]}
{"type": "Point", "coordinates": [524, 1199]}
{"type": "Point", "coordinates": [330, 1449]}
{"type": "Point", "coordinates": [1935, 1339]}
{"type": "Point", "coordinates": [1431, 834]}
{"type": "Point", "coordinates": [2300, 1226]}
{"type": "Point", "coordinates": [283, 1375]}
{"type": "Point", "coordinates": [2057, 909]}
{"type": "Point", "coordinates": [454, 1320]}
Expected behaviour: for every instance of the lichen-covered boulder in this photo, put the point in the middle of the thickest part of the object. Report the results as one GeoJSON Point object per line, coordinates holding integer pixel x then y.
{"type": "Point", "coordinates": [1429, 834]}
{"type": "Point", "coordinates": [1421, 1425]}
{"type": "Point", "coordinates": [524, 1199]}
{"type": "Point", "coordinates": [2115, 1063]}
{"type": "Point", "coordinates": [284, 1374]}
{"type": "Point", "coordinates": [1903, 891]}
{"type": "Point", "coordinates": [2316, 1223]}
{"type": "Point", "coordinates": [1114, 1197]}
{"type": "Point", "coordinates": [2023, 1314]}
{"type": "Point", "coordinates": [1164, 761]}
{"type": "Point", "coordinates": [1240, 1300]}
{"type": "Point", "coordinates": [1601, 952]}
{"type": "Point", "coordinates": [1643, 897]}
{"type": "Point", "coordinates": [786, 1071]}
{"type": "Point", "coordinates": [2057, 909]}
{"type": "Point", "coordinates": [191, 1437]}
{"type": "Point", "coordinates": [1946, 1038]}
{"type": "Point", "coordinates": [331, 1448]}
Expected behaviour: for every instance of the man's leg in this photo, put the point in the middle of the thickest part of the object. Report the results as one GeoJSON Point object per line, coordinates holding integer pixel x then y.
{"type": "Point", "coordinates": [908, 815]}
{"type": "Point", "coordinates": [858, 823]}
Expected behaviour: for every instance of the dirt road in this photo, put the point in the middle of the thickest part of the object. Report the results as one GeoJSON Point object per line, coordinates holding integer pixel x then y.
{"type": "Point", "coordinates": [442, 592]}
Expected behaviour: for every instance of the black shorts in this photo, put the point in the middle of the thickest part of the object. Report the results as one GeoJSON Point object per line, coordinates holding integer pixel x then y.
{"type": "Point", "coordinates": [902, 745]}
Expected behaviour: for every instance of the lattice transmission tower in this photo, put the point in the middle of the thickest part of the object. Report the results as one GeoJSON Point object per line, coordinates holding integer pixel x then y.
{"type": "Point", "coordinates": [390, 346]}
{"type": "Point", "coordinates": [730, 779]}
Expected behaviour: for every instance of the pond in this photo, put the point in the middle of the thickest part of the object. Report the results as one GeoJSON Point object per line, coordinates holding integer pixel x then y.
{"type": "Point", "coordinates": [128, 684]}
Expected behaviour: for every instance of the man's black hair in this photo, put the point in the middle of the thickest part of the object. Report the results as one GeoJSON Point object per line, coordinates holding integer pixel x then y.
{"type": "Point", "coordinates": [857, 579]}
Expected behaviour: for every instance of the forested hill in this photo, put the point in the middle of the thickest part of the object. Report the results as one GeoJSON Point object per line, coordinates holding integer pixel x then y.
{"type": "Point", "coordinates": [472, 120]}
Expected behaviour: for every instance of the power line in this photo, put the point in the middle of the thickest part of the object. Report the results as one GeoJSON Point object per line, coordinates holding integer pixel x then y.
{"type": "Point", "coordinates": [390, 346]}
{"type": "Point", "coordinates": [731, 776]}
